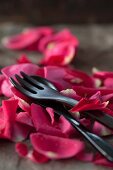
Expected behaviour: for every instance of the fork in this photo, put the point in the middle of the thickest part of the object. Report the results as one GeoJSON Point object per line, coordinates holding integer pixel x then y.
{"type": "Point", "coordinates": [42, 89]}
{"type": "Point", "coordinates": [102, 146]}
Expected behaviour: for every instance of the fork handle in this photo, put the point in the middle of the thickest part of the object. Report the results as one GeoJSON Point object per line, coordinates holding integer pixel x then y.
{"type": "Point", "coordinates": [102, 146]}
{"type": "Point", "coordinates": [97, 142]}
{"type": "Point", "coordinates": [101, 117]}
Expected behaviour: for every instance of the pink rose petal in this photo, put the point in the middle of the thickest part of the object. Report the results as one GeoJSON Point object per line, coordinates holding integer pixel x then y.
{"type": "Point", "coordinates": [88, 104]}
{"type": "Point", "coordinates": [55, 147]}
{"type": "Point", "coordinates": [42, 121]}
{"type": "Point", "coordinates": [61, 54]}
{"type": "Point", "coordinates": [27, 40]}
{"type": "Point", "coordinates": [9, 110]}
{"type": "Point", "coordinates": [62, 36]}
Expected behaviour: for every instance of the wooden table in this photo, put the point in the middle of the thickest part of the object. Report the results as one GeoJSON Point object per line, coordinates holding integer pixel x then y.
{"type": "Point", "coordinates": [96, 50]}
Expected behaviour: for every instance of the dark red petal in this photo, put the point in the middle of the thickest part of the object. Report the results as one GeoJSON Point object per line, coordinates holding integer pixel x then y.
{"type": "Point", "coordinates": [21, 149]}
{"type": "Point", "coordinates": [37, 157]}
{"type": "Point", "coordinates": [86, 157]}
{"type": "Point", "coordinates": [23, 59]}
{"type": "Point", "coordinates": [100, 160]}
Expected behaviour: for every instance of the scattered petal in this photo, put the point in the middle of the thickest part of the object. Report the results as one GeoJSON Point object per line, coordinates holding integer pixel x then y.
{"type": "Point", "coordinates": [55, 147]}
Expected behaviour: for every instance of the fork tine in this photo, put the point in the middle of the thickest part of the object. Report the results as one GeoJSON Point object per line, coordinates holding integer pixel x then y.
{"type": "Point", "coordinates": [20, 88]}
{"type": "Point", "coordinates": [26, 85]}
{"type": "Point", "coordinates": [36, 83]}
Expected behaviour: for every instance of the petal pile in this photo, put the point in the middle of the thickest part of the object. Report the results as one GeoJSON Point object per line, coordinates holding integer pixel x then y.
{"type": "Point", "coordinates": [39, 134]}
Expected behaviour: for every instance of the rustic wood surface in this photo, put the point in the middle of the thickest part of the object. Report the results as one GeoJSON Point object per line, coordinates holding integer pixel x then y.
{"type": "Point", "coordinates": [96, 50]}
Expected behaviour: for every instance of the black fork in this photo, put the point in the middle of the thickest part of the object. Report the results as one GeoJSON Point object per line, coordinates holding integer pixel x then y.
{"type": "Point", "coordinates": [42, 89]}
{"type": "Point", "coordinates": [102, 146]}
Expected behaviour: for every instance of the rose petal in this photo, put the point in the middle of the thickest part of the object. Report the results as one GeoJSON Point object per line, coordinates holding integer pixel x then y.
{"type": "Point", "coordinates": [62, 36]}
{"type": "Point", "coordinates": [42, 122]}
{"type": "Point", "coordinates": [28, 68]}
{"type": "Point", "coordinates": [100, 160]}
{"type": "Point", "coordinates": [24, 118]}
{"type": "Point", "coordinates": [28, 39]}
{"type": "Point", "coordinates": [61, 54]}
{"type": "Point", "coordinates": [56, 147]}
{"type": "Point", "coordinates": [88, 104]}
{"type": "Point", "coordinates": [21, 149]}
{"type": "Point", "coordinates": [9, 109]}
{"type": "Point", "coordinates": [37, 157]}
{"type": "Point", "coordinates": [23, 59]}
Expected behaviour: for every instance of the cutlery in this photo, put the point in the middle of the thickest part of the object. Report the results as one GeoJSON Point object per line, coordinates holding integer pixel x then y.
{"type": "Point", "coordinates": [41, 88]}
{"type": "Point", "coordinates": [28, 89]}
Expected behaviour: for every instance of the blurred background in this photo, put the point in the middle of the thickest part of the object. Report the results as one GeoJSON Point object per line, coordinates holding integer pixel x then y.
{"type": "Point", "coordinates": [90, 20]}
{"type": "Point", "coordinates": [57, 11]}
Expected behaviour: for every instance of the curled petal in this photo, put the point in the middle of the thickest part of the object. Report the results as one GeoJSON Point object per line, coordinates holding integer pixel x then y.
{"type": "Point", "coordinates": [28, 68]}
{"type": "Point", "coordinates": [86, 104]}
{"type": "Point", "coordinates": [61, 54]}
{"type": "Point", "coordinates": [56, 147]}
{"type": "Point", "coordinates": [27, 40]}
{"type": "Point", "coordinates": [63, 36]}
{"type": "Point", "coordinates": [42, 121]}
